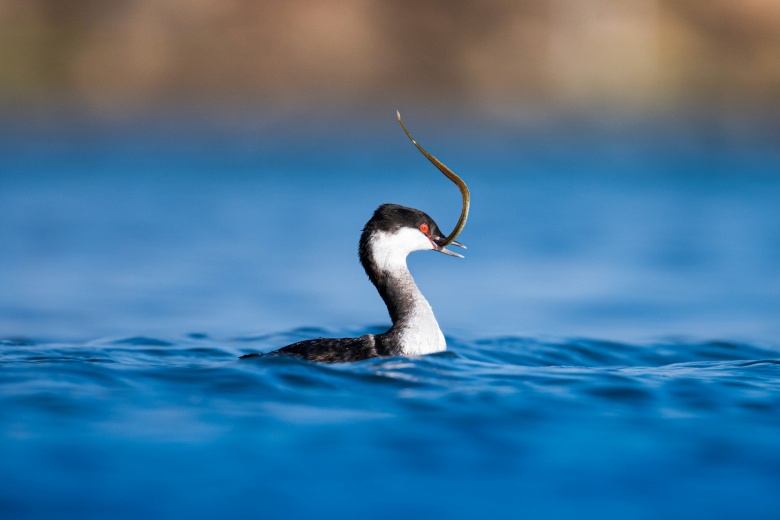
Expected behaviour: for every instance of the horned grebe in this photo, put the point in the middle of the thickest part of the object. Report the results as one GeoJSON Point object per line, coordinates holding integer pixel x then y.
{"type": "Point", "coordinates": [388, 237]}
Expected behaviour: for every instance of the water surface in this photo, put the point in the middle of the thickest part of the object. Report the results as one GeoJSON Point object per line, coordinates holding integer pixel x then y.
{"type": "Point", "coordinates": [507, 427]}
{"type": "Point", "coordinates": [613, 332]}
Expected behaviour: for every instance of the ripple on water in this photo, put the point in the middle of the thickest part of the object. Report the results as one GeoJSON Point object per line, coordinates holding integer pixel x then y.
{"type": "Point", "coordinates": [496, 412]}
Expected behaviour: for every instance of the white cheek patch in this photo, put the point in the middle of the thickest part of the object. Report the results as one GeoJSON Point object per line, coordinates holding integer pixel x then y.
{"type": "Point", "coordinates": [391, 249]}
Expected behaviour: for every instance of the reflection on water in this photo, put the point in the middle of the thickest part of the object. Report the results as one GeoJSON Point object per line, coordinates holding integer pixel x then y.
{"type": "Point", "coordinates": [135, 270]}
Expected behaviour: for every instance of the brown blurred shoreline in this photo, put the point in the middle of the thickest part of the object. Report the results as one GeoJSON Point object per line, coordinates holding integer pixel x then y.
{"type": "Point", "coordinates": [118, 58]}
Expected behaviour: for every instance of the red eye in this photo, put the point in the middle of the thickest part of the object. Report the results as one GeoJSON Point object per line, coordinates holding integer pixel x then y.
{"type": "Point", "coordinates": [424, 228]}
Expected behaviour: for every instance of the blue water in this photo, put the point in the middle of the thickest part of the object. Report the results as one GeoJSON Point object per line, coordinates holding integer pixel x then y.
{"type": "Point", "coordinates": [614, 341]}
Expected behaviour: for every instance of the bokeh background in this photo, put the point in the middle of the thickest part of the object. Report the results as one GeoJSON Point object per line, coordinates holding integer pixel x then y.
{"type": "Point", "coordinates": [124, 57]}
{"type": "Point", "coordinates": [173, 166]}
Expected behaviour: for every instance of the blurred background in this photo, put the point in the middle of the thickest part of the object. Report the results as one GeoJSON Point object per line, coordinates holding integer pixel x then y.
{"type": "Point", "coordinates": [172, 166]}
{"type": "Point", "coordinates": [117, 58]}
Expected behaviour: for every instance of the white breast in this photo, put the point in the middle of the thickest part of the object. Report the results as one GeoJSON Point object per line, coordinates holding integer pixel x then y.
{"type": "Point", "coordinates": [421, 334]}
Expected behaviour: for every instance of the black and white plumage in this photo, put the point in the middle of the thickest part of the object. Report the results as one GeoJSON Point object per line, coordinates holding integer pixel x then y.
{"type": "Point", "coordinates": [387, 239]}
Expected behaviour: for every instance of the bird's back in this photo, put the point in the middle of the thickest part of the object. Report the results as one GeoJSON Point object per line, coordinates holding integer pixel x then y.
{"type": "Point", "coordinates": [329, 350]}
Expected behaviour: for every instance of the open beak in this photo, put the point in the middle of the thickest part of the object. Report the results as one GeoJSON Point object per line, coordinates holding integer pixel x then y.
{"type": "Point", "coordinates": [437, 241]}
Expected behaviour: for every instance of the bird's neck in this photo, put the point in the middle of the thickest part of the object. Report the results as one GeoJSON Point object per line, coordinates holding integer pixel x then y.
{"type": "Point", "coordinates": [415, 329]}
{"type": "Point", "coordinates": [414, 324]}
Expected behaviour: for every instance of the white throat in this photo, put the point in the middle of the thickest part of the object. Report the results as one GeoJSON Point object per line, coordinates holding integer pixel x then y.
{"type": "Point", "coordinates": [419, 331]}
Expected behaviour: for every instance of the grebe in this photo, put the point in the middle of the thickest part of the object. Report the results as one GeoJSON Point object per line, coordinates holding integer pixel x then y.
{"type": "Point", "coordinates": [389, 236]}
